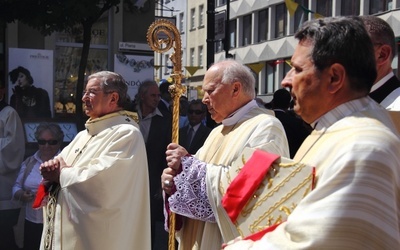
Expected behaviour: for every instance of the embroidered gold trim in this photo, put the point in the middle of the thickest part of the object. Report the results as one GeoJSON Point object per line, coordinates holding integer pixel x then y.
{"type": "Point", "coordinates": [247, 210]}
{"type": "Point", "coordinates": [52, 203]}
{"type": "Point", "coordinates": [51, 212]}
{"type": "Point", "coordinates": [254, 227]}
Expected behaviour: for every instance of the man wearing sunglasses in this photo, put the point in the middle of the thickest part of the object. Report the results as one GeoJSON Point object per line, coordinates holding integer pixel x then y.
{"type": "Point", "coordinates": [193, 135]}
{"type": "Point", "coordinates": [98, 186]}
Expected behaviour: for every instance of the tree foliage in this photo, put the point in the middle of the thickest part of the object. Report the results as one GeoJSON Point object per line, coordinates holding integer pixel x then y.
{"type": "Point", "coordinates": [50, 16]}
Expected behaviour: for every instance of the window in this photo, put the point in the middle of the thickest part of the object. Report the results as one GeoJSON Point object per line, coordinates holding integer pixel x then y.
{"type": "Point", "coordinates": [232, 33]}
{"type": "Point", "coordinates": [219, 3]}
{"type": "Point", "coordinates": [300, 16]}
{"type": "Point", "coordinates": [67, 54]}
{"type": "Point", "coordinates": [201, 16]}
{"type": "Point", "coordinates": [167, 64]}
{"type": "Point", "coordinates": [350, 8]}
{"type": "Point", "coordinates": [376, 6]}
{"type": "Point", "coordinates": [192, 19]}
{"type": "Point", "coordinates": [270, 78]}
{"type": "Point", "coordinates": [192, 57]}
{"type": "Point", "coordinates": [200, 56]}
{"type": "Point", "coordinates": [246, 30]}
{"type": "Point", "coordinates": [218, 46]}
{"type": "Point", "coordinates": [181, 23]}
{"type": "Point", "coordinates": [286, 67]}
{"type": "Point", "coordinates": [262, 25]}
{"type": "Point", "coordinates": [324, 7]}
{"type": "Point", "coordinates": [280, 20]}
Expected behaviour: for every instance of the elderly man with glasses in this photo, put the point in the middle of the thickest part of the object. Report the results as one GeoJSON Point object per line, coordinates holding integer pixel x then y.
{"type": "Point", "coordinates": [98, 186]}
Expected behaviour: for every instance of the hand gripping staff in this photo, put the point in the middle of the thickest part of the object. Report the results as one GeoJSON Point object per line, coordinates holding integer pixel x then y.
{"type": "Point", "coordinates": [163, 35]}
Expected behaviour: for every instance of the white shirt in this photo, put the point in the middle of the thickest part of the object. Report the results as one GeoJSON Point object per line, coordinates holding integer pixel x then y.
{"type": "Point", "coordinates": [31, 183]}
{"type": "Point", "coordinates": [145, 122]}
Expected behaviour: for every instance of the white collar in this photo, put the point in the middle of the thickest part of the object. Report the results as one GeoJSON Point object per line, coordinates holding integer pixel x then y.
{"type": "Point", "coordinates": [239, 113]}
{"type": "Point", "coordinates": [382, 81]}
{"type": "Point", "coordinates": [154, 113]}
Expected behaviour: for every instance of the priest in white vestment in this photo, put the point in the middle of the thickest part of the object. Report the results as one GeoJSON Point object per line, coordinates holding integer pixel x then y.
{"type": "Point", "coordinates": [229, 95]}
{"type": "Point", "coordinates": [386, 88]}
{"type": "Point", "coordinates": [102, 197]}
{"type": "Point", "coordinates": [354, 146]}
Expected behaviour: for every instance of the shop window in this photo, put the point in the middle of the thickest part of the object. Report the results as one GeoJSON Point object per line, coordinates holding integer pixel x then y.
{"type": "Point", "coordinates": [67, 56]}
{"type": "Point", "coordinates": [67, 61]}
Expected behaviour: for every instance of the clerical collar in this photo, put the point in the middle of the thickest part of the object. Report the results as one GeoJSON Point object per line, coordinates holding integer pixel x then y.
{"type": "Point", "coordinates": [341, 111]}
{"type": "Point", "coordinates": [239, 113]}
{"type": "Point", "coordinates": [382, 81]}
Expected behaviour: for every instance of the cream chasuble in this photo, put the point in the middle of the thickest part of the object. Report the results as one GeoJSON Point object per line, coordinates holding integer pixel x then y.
{"type": "Point", "coordinates": [257, 129]}
{"type": "Point", "coordinates": [356, 202]}
{"type": "Point", "coordinates": [104, 198]}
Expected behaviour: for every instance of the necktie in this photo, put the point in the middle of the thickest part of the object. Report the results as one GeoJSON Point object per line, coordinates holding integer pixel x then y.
{"type": "Point", "coordinates": [190, 136]}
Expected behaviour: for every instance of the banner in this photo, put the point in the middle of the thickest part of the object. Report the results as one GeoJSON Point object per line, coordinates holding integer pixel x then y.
{"type": "Point", "coordinates": [135, 69]}
{"type": "Point", "coordinates": [39, 63]}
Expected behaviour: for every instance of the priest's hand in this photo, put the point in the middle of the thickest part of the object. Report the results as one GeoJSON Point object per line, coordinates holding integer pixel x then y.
{"type": "Point", "coordinates": [51, 169]}
{"type": "Point", "coordinates": [174, 154]}
{"type": "Point", "coordinates": [167, 180]}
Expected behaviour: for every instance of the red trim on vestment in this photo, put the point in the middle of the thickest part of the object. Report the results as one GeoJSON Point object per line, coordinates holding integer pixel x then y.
{"type": "Point", "coordinates": [40, 194]}
{"type": "Point", "coordinates": [246, 182]}
{"type": "Point", "coordinates": [260, 234]}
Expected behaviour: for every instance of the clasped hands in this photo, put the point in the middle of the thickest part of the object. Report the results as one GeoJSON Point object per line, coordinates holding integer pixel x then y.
{"type": "Point", "coordinates": [174, 154]}
{"type": "Point", "coordinates": [50, 170]}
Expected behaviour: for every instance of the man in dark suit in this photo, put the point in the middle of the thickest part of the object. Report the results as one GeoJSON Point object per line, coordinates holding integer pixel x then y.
{"type": "Point", "coordinates": [295, 128]}
{"type": "Point", "coordinates": [386, 88]}
{"type": "Point", "coordinates": [156, 128]}
{"type": "Point", "coordinates": [166, 98]}
{"type": "Point", "coordinates": [193, 135]}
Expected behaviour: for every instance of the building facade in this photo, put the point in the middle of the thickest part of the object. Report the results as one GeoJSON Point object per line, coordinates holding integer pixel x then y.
{"type": "Point", "coordinates": [260, 35]}
{"type": "Point", "coordinates": [261, 32]}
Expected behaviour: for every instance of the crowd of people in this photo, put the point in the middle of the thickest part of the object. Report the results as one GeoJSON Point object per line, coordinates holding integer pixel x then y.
{"type": "Point", "coordinates": [115, 185]}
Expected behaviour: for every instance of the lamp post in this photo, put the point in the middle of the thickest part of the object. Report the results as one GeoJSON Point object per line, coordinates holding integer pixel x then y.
{"type": "Point", "coordinates": [210, 32]}
{"type": "Point", "coordinates": [227, 45]}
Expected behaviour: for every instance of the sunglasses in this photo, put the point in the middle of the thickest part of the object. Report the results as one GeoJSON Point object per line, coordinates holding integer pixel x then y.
{"type": "Point", "coordinates": [197, 112]}
{"type": "Point", "coordinates": [50, 142]}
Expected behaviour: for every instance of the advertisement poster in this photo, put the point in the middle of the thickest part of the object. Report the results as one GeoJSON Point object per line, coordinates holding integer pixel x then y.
{"type": "Point", "coordinates": [36, 63]}
{"type": "Point", "coordinates": [135, 69]}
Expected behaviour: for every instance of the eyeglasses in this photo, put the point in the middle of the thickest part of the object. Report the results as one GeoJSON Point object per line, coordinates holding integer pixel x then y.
{"type": "Point", "coordinates": [92, 92]}
{"type": "Point", "coordinates": [50, 142]}
{"type": "Point", "coordinates": [197, 112]}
